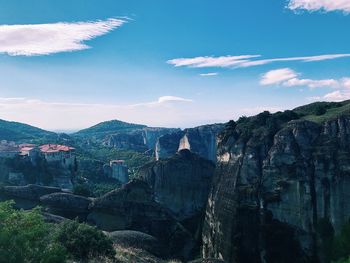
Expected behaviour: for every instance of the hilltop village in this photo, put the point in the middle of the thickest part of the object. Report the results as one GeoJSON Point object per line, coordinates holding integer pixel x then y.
{"type": "Point", "coordinates": [61, 157]}
{"type": "Point", "coordinates": [52, 153]}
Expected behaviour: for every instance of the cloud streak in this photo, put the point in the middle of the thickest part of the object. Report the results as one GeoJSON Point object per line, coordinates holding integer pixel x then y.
{"type": "Point", "coordinates": [164, 100]}
{"type": "Point", "coordinates": [210, 74]}
{"type": "Point", "coordinates": [244, 61]}
{"type": "Point", "coordinates": [320, 5]}
{"type": "Point", "coordinates": [46, 39]}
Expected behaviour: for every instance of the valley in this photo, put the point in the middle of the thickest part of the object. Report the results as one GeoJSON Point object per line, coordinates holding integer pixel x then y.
{"type": "Point", "coordinates": [275, 179]}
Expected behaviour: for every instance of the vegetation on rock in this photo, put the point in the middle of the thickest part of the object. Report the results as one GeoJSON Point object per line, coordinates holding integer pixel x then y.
{"type": "Point", "coordinates": [26, 237]}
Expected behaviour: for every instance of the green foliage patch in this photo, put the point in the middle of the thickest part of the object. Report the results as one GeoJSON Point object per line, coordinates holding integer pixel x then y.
{"type": "Point", "coordinates": [26, 238]}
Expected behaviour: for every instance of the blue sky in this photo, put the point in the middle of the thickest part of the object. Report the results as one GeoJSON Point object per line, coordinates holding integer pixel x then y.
{"type": "Point", "coordinates": [168, 63]}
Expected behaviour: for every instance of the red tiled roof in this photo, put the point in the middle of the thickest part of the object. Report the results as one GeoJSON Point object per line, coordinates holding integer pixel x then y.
{"type": "Point", "coordinates": [50, 148]}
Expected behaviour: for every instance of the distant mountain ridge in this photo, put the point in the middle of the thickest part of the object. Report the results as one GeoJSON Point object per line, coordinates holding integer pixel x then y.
{"type": "Point", "coordinates": [16, 131]}
{"type": "Point", "coordinates": [107, 130]}
{"type": "Point", "coordinates": [108, 127]}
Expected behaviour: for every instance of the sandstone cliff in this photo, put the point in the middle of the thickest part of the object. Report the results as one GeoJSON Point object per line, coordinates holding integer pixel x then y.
{"type": "Point", "coordinates": [133, 207]}
{"type": "Point", "coordinates": [180, 183]}
{"type": "Point", "coordinates": [277, 177]}
{"type": "Point", "coordinates": [200, 140]}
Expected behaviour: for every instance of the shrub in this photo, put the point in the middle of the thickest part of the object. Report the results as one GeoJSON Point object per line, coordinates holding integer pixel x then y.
{"type": "Point", "coordinates": [84, 242]}
{"type": "Point", "coordinates": [25, 237]}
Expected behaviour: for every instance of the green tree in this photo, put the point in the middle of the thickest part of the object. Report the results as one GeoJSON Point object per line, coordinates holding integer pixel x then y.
{"type": "Point", "coordinates": [25, 237]}
{"type": "Point", "coordinates": [84, 242]}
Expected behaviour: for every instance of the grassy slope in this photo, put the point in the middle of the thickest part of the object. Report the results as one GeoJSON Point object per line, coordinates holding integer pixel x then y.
{"type": "Point", "coordinates": [323, 111]}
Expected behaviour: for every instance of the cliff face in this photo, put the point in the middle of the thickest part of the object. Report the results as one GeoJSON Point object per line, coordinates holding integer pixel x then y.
{"type": "Point", "coordinates": [133, 207]}
{"type": "Point", "coordinates": [276, 178]}
{"type": "Point", "coordinates": [200, 140]}
{"type": "Point", "coordinates": [180, 183]}
{"type": "Point", "coordinates": [138, 140]}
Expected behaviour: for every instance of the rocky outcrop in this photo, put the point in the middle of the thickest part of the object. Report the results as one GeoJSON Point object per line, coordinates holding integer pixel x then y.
{"type": "Point", "coordinates": [140, 140]}
{"type": "Point", "coordinates": [180, 183]}
{"type": "Point", "coordinates": [133, 207]}
{"type": "Point", "coordinates": [208, 260]}
{"type": "Point", "coordinates": [26, 197]}
{"type": "Point", "coordinates": [127, 141]}
{"type": "Point", "coordinates": [200, 140]}
{"type": "Point", "coordinates": [167, 145]}
{"type": "Point", "coordinates": [67, 205]}
{"type": "Point", "coordinates": [137, 240]}
{"type": "Point", "coordinates": [30, 192]}
{"type": "Point", "coordinates": [276, 179]}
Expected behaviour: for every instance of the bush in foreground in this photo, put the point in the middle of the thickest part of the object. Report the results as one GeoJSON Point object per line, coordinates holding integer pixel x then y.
{"type": "Point", "coordinates": [25, 237]}
{"type": "Point", "coordinates": [83, 241]}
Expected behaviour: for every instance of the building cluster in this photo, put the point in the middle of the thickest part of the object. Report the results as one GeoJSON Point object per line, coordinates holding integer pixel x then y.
{"type": "Point", "coordinates": [52, 153]}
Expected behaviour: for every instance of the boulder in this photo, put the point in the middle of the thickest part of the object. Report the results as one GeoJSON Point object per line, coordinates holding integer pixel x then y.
{"type": "Point", "coordinates": [29, 192]}
{"type": "Point", "coordinates": [138, 240]}
{"type": "Point", "coordinates": [67, 205]}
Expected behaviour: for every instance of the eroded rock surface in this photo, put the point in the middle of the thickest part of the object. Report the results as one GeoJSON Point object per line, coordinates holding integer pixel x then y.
{"type": "Point", "coordinates": [200, 140]}
{"type": "Point", "coordinates": [138, 240]}
{"type": "Point", "coordinates": [276, 178]}
{"type": "Point", "coordinates": [30, 192]}
{"type": "Point", "coordinates": [133, 207]}
{"type": "Point", "coordinates": [180, 183]}
{"type": "Point", "coordinates": [67, 205]}
{"type": "Point", "coordinates": [140, 140]}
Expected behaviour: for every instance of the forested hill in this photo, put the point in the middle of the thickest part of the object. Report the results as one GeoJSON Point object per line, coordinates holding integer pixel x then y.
{"type": "Point", "coordinates": [109, 127]}
{"type": "Point", "coordinates": [16, 131]}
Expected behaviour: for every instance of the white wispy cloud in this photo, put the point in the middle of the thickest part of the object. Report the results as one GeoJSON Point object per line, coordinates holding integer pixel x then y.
{"type": "Point", "coordinates": [208, 74]}
{"type": "Point", "coordinates": [289, 78]}
{"type": "Point", "coordinates": [277, 76]}
{"type": "Point", "coordinates": [320, 5]}
{"type": "Point", "coordinates": [207, 62]}
{"type": "Point", "coordinates": [244, 61]}
{"type": "Point", "coordinates": [163, 101]}
{"type": "Point", "coordinates": [338, 95]}
{"type": "Point", "coordinates": [166, 110]}
{"type": "Point", "coordinates": [45, 39]}
{"type": "Point", "coordinates": [311, 83]}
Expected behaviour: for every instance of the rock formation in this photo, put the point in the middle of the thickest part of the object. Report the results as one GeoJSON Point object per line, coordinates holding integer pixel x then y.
{"type": "Point", "coordinates": [180, 183]}
{"type": "Point", "coordinates": [133, 207]}
{"type": "Point", "coordinates": [26, 197]}
{"type": "Point", "coordinates": [138, 240]}
{"type": "Point", "coordinates": [200, 140]}
{"type": "Point", "coordinates": [67, 205]}
{"type": "Point", "coordinates": [140, 140]}
{"type": "Point", "coordinates": [277, 177]}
